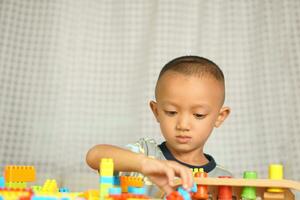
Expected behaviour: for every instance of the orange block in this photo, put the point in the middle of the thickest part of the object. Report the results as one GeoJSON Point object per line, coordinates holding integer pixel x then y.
{"type": "Point", "coordinates": [14, 173]}
{"type": "Point", "coordinates": [126, 181]}
{"type": "Point", "coordinates": [90, 194]}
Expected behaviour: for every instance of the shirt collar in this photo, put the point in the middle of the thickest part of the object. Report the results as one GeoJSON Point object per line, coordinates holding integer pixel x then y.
{"type": "Point", "coordinates": [208, 167]}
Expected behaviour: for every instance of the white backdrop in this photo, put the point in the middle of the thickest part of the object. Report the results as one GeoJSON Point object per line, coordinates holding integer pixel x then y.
{"type": "Point", "coordinates": [78, 73]}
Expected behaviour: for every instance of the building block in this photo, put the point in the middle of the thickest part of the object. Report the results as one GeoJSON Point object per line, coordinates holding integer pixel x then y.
{"type": "Point", "coordinates": [202, 190]}
{"type": "Point", "coordinates": [15, 185]}
{"type": "Point", "coordinates": [44, 198]}
{"type": "Point", "coordinates": [195, 170]}
{"type": "Point", "coordinates": [90, 194]}
{"type": "Point", "coordinates": [225, 192]}
{"type": "Point", "coordinates": [136, 190]}
{"type": "Point", "coordinates": [63, 189]}
{"type": "Point", "coordinates": [115, 191]}
{"type": "Point", "coordinates": [14, 173]}
{"type": "Point", "coordinates": [275, 173]}
{"type": "Point", "coordinates": [126, 181]}
{"type": "Point", "coordinates": [185, 194]}
{"type": "Point", "coordinates": [2, 182]}
{"type": "Point", "coordinates": [36, 188]}
{"type": "Point", "coordinates": [249, 192]}
{"type": "Point", "coordinates": [50, 185]}
{"type": "Point", "coordinates": [104, 190]}
{"type": "Point", "coordinates": [107, 179]}
{"type": "Point", "coordinates": [106, 167]}
{"type": "Point", "coordinates": [116, 180]}
{"type": "Point", "coordinates": [13, 194]}
{"type": "Point", "coordinates": [174, 196]}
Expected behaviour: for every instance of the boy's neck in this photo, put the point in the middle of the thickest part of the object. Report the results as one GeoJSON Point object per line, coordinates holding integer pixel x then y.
{"type": "Point", "coordinates": [196, 157]}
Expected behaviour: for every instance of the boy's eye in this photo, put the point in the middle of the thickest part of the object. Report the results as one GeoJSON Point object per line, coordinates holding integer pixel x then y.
{"type": "Point", "coordinates": [199, 116]}
{"type": "Point", "coordinates": [170, 113]}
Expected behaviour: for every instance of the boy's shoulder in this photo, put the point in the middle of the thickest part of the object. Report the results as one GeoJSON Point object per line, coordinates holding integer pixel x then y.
{"type": "Point", "coordinates": [146, 146]}
{"type": "Point", "coordinates": [220, 171]}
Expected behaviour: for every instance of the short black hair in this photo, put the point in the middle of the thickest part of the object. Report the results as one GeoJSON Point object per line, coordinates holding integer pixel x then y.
{"type": "Point", "coordinates": [196, 66]}
{"type": "Point", "coordinates": [193, 65]}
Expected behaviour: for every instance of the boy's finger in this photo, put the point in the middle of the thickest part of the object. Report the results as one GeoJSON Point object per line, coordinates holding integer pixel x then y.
{"type": "Point", "coordinates": [191, 178]}
{"type": "Point", "coordinates": [186, 176]}
{"type": "Point", "coordinates": [171, 175]}
{"type": "Point", "coordinates": [182, 172]}
{"type": "Point", "coordinates": [167, 189]}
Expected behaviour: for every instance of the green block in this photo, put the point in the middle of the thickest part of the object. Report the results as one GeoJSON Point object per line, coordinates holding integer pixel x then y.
{"type": "Point", "coordinates": [36, 188]}
{"type": "Point", "coordinates": [249, 193]}
{"type": "Point", "coordinates": [16, 185]}
{"type": "Point", "coordinates": [104, 189]}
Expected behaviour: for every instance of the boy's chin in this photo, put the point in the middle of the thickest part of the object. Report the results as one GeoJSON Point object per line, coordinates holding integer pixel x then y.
{"type": "Point", "coordinates": [182, 148]}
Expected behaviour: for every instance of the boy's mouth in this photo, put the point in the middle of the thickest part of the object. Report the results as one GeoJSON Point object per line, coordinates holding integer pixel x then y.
{"type": "Point", "coordinates": [183, 139]}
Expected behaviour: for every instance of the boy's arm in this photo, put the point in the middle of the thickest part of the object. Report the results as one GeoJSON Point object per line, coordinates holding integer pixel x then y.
{"type": "Point", "coordinates": [124, 160]}
{"type": "Point", "coordinates": [160, 172]}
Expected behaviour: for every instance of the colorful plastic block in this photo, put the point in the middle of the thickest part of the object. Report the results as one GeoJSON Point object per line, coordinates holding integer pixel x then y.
{"type": "Point", "coordinates": [106, 167]}
{"type": "Point", "coordinates": [275, 173]}
{"type": "Point", "coordinates": [249, 192]}
{"type": "Point", "coordinates": [44, 198]}
{"type": "Point", "coordinates": [90, 194]}
{"type": "Point", "coordinates": [136, 190]}
{"type": "Point", "coordinates": [224, 192]}
{"type": "Point", "coordinates": [114, 191]}
{"type": "Point", "coordinates": [104, 190]}
{"type": "Point", "coordinates": [174, 196]}
{"type": "Point", "coordinates": [107, 179]}
{"type": "Point", "coordinates": [13, 194]}
{"type": "Point", "coordinates": [16, 185]}
{"type": "Point", "coordinates": [36, 188]}
{"type": "Point", "coordinates": [64, 190]}
{"type": "Point", "coordinates": [126, 181]}
{"type": "Point", "coordinates": [2, 182]}
{"type": "Point", "coordinates": [50, 185]}
{"type": "Point", "coordinates": [14, 173]}
{"type": "Point", "coordinates": [202, 190]}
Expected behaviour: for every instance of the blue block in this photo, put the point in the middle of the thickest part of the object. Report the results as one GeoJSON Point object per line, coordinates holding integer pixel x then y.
{"type": "Point", "coordinates": [106, 179]}
{"type": "Point", "coordinates": [44, 198]}
{"type": "Point", "coordinates": [2, 182]}
{"type": "Point", "coordinates": [194, 188]}
{"type": "Point", "coordinates": [136, 190]}
{"type": "Point", "coordinates": [116, 180]}
{"type": "Point", "coordinates": [64, 190]}
{"type": "Point", "coordinates": [114, 190]}
{"type": "Point", "coordinates": [185, 194]}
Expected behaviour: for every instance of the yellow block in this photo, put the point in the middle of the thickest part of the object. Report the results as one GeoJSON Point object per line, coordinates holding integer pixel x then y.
{"type": "Point", "coordinates": [106, 167]}
{"type": "Point", "coordinates": [275, 173]}
{"type": "Point", "coordinates": [50, 185]}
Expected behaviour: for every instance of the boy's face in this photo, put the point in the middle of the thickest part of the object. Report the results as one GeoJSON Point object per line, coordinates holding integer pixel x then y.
{"type": "Point", "coordinates": [188, 108]}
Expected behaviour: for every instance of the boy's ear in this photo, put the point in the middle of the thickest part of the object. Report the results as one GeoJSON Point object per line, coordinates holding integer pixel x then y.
{"type": "Point", "coordinates": [153, 106]}
{"type": "Point", "coordinates": [223, 114]}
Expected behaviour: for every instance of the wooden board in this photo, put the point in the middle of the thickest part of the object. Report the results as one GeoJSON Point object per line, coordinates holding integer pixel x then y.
{"type": "Point", "coordinates": [261, 186]}
{"type": "Point", "coordinates": [267, 183]}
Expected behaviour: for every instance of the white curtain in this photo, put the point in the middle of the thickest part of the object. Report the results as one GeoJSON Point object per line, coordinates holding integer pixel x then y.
{"type": "Point", "coordinates": [77, 73]}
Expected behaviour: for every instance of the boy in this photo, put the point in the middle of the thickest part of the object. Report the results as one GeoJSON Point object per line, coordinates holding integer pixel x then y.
{"type": "Point", "coordinates": [190, 93]}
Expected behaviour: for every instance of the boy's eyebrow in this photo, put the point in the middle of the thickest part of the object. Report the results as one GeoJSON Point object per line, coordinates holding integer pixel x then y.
{"type": "Point", "coordinates": [203, 105]}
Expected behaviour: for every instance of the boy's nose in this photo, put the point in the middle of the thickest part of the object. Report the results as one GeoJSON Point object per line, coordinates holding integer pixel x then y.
{"type": "Point", "coordinates": [183, 124]}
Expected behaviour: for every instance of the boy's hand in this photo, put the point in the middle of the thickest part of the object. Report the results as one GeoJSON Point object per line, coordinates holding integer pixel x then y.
{"type": "Point", "coordinates": [163, 172]}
